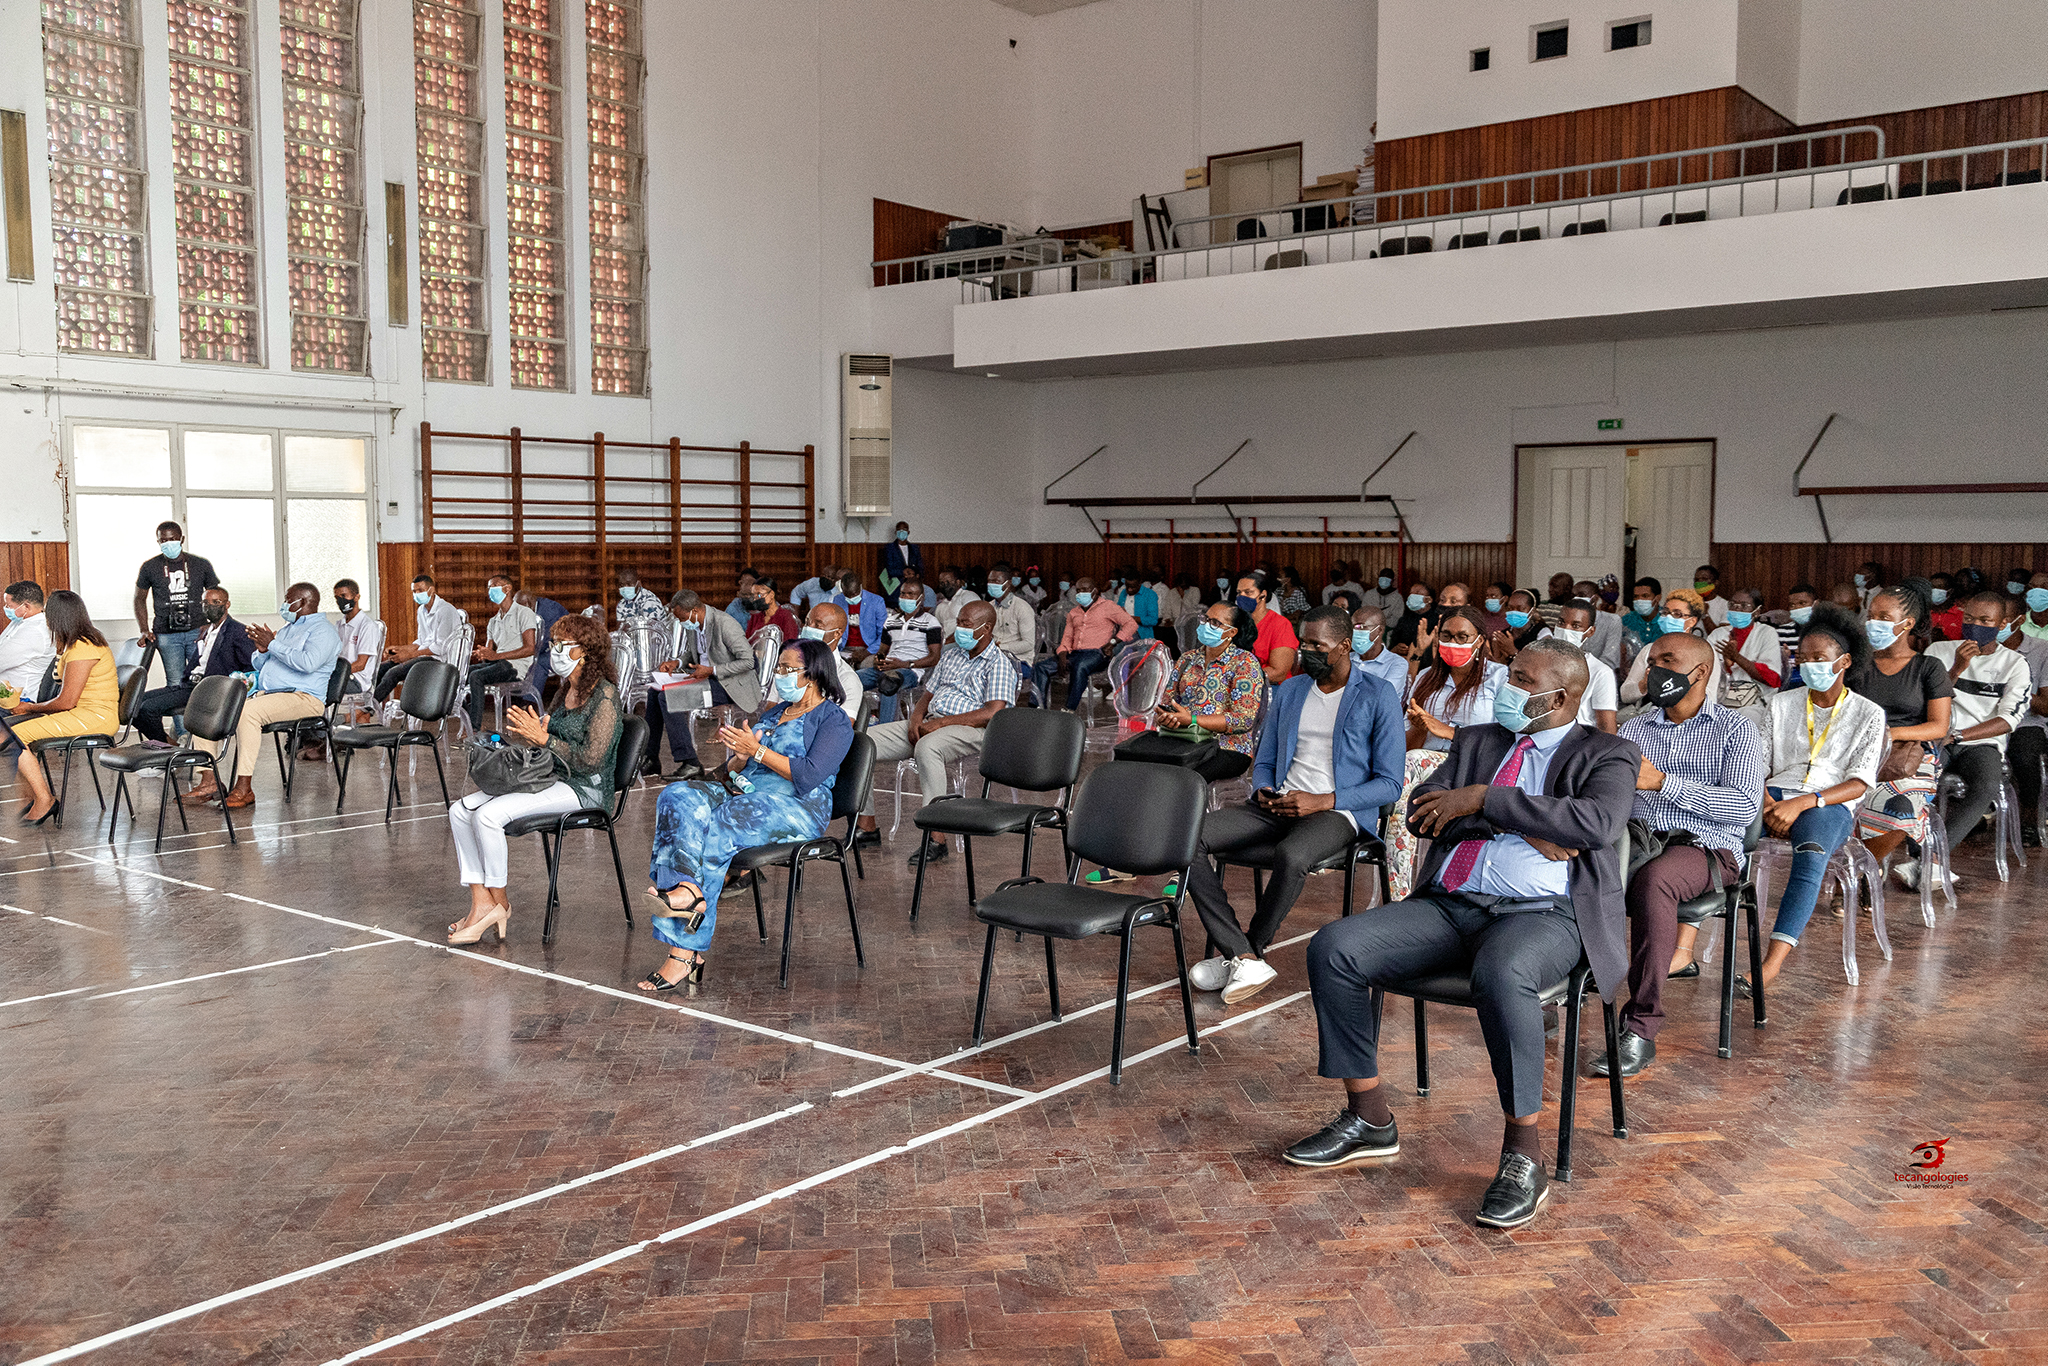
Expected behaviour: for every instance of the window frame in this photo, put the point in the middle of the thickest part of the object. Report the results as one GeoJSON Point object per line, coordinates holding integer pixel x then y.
{"type": "Point", "coordinates": [1640, 22]}
{"type": "Point", "coordinates": [1536, 33]}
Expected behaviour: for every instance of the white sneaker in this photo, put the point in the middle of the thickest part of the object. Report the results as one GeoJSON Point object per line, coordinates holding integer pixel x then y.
{"type": "Point", "coordinates": [1210, 974]}
{"type": "Point", "coordinates": [1908, 875]}
{"type": "Point", "coordinates": [1248, 977]}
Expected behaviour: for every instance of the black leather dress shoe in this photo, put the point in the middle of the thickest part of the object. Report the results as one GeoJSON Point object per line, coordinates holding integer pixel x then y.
{"type": "Point", "coordinates": [933, 850]}
{"type": "Point", "coordinates": [1637, 1053]}
{"type": "Point", "coordinates": [866, 839]}
{"type": "Point", "coordinates": [1517, 1192]}
{"type": "Point", "coordinates": [687, 773]}
{"type": "Point", "coordinates": [1345, 1140]}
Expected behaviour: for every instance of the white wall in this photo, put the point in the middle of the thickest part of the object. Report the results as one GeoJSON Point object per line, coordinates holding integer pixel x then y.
{"type": "Point", "coordinates": [1767, 52]}
{"type": "Point", "coordinates": [1861, 57]}
{"type": "Point", "coordinates": [1127, 94]}
{"type": "Point", "coordinates": [1426, 86]}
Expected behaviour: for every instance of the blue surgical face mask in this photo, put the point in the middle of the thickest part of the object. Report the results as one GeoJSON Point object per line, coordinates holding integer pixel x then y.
{"type": "Point", "coordinates": [284, 609]}
{"type": "Point", "coordinates": [171, 549]}
{"type": "Point", "coordinates": [1510, 707]}
{"type": "Point", "coordinates": [789, 687]}
{"type": "Point", "coordinates": [1881, 633]}
{"type": "Point", "coordinates": [1083, 599]}
{"type": "Point", "coordinates": [2037, 599]}
{"type": "Point", "coordinates": [1208, 633]}
{"type": "Point", "coordinates": [1740, 619]}
{"type": "Point", "coordinates": [853, 600]}
{"type": "Point", "coordinates": [495, 593]}
{"type": "Point", "coordinates": [1518, 619]}
{"type": "Point", "coordinates": [810, 633]}
{"type": "Point", "coordinates": [421, 598]}
{"type": "Point", "coordinates": [2015, 588]}
{"type": "Point", "coordinates": [1493, 604]}
{"type": "Point", "coordinates": [1247, 603]}
{"type": "Point", "coordinates": [1223, 585]}
{"type": "Point", "coordinates": [13, 615]}
{"type": "Point", "coordinates": [964, 637]}
{"type": "Point", "coordinates": [628, 592]}
{"type": "Point", "coordinates": [1361, 640]}
{"type": "Point", "coordinates": [996, 590]}
{"type": "Point", "coordinates": [908, 606]}
{"type": "Point", "coordinates": [1817, 674]}
{"type": "Point", "coordinates": [1801, 615]}
{"type": "Point", "coordinates": [1416, 602]}
{"type": "Point", "coordinates": [1034, 580]}
{"type": "Point", "coordinates": [1938, 596]}
{"type": "Point", "coordinates": [1863, 581]}
{"type": "Point", "coordinates": [2005, 632]}
{"type": "Point", "coordinates": [902, 535]}
{"type": "Point", "coordinates": [1670, 624]}
{"type": "Point", "coordinates": [1645, 606]}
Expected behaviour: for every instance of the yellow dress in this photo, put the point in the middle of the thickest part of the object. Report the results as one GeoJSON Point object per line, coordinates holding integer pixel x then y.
{"type": "Point", "coordinates": [98, 709]}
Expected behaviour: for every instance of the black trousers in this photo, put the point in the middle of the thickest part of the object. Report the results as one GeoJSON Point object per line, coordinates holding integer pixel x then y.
{"type": "Point", "coordinates": [676, 724]}
{"type": "Point", "coordinates": [1979, 765]}
{"type": "Point", "coordinates": [481, 675]}
{"type": "Point", "coordinates": [391, 674]}
{"type": "Point", "coordinates": [1512, 957]}
{"type": "Point", "coordinates": [2023, 751]}
{"type": "Point", "coordinates": [1299, 844]}
{"type": "Point", "coordinates": [155, 705]}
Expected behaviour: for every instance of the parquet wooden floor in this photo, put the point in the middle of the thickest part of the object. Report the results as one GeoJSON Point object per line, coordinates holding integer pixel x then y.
{"type": "Point", "coordinates": [254, 1111]}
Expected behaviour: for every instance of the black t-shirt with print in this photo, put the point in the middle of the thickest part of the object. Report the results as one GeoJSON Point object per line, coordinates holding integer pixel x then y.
{"type": "Point", "coordinates": [176, 587]}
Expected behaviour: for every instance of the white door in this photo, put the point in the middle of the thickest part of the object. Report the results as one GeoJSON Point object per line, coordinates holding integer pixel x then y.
{"type": "Point", "coordinates": [1245, 184]}
{"type": "Point", "coordinates": [1671, 506]}
{"type": "Point", "coordinates": [1572, 500]}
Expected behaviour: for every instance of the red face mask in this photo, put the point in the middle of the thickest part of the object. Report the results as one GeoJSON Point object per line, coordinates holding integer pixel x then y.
{"type": "Point", "coordinates": [1456, 655]}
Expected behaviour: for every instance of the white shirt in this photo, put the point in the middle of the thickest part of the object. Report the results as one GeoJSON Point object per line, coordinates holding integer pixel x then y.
{"type": "Point", "coordinates": [207, 638]}
{"type": "Point", "coordinates": [1717, 608]}
{"type": "Point", "coordinates": [1995, 685]}
{"type": "Point", "coordinates": [25, 654]}
{"type": "Point", "coordinates": [1016, 627]}
{"type": "Point", "coordinates": [1509, 865]}
{"type": "Point", "coordinates": [849, 683]}
{"type": "Point", "coordinates": [437, 629]}
{"type": "Point", "coordinates": [1602, 691]}
{"type": "Point", "coordinates": [1851, 743]}
{"type": "Point", "coordinates": [1315, 741]}
{"type": "Point", "coordinates": [358, 633]}
{"type": "Point", "coordinates": [948, 612]}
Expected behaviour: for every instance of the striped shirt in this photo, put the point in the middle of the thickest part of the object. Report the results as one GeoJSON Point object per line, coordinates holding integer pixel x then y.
{"type": "Point", "coordinates": [963, 682]}
{"type": "Point", "coordinates": [1714, 765]}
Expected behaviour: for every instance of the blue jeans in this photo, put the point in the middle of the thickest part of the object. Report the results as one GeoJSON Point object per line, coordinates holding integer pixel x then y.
{"type": "Point", "coordinates": [1081, 665]}
{"type": "Point", "coordinates": [175, 649]}
{"type": "Point", "coordinates": [885, 707]}
{"type": "Point", "coordinates": [1815, 837]}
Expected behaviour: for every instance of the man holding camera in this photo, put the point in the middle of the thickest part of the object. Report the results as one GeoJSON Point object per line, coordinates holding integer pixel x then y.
{"type": "Point", "coordinates": [170, 590]}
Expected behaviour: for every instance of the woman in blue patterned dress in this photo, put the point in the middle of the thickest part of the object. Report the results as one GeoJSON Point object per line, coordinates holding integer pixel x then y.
{"type": "Point", "coordinates": [780, 793]}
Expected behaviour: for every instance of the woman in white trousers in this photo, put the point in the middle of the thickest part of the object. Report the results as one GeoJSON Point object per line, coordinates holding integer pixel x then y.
{"type": "Point", "coordinates": [582, 732]}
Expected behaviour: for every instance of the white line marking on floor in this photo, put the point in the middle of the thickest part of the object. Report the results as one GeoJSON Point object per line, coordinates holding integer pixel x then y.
{"type": "Point", "coordinates": [56, 920]}
{"type": "Point", "coordinates": [192, 1311]}
{"type": "Point", "coordinates": [783, 1193]}
{"type": "Point", "coordinates": [253, 967]}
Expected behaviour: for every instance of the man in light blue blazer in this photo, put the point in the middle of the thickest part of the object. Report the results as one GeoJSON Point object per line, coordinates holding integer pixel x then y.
{"type": "Point", "coordinates": [1329, 759]}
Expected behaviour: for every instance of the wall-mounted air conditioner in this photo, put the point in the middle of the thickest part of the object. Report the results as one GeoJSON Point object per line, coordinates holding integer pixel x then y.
{"type": "Point", "coordinates": [864, 469]}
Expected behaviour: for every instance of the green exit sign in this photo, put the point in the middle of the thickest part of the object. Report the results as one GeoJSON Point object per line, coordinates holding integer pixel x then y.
{"type": "Point", "coordinates": [1610, 424]}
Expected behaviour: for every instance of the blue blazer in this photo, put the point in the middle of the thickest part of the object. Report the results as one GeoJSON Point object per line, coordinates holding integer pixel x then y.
{"type": "Point", "coordinates": [874, 610]}
{"type": "Point", "coordinates": [1370, 748]}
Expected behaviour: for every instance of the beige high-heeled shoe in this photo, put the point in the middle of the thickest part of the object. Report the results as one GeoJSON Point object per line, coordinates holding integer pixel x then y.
{"type": "Point", "coordinates": [497, 920]}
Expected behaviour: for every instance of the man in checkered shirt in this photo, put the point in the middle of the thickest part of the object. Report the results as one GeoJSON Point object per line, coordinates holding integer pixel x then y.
{"type": "Point", "coordinates": [1703, 771]}
{"type": "Point", "coordinates": [972, 681]}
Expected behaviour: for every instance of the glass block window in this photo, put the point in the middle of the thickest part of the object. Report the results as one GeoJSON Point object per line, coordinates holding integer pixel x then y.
{"type": "Point", "coordinates": [213, 124]}
{"type": "Point", "coordinates": [92, 84]}
{"type": "Point", "coordinates": [618, 251]}
{"type": "Point", "coordinates": [323, 125]}
{"type": "Point", "coordinates": [536, 250]}
{"type": "Point", "coordinates": [447, 93]}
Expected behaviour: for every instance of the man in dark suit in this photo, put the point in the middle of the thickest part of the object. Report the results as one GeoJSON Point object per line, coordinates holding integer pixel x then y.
{"type": "Point", "coordinates": [1522, 876]}
{"type": "Point", "coordinates": [901, 559]}
{"type": "Point", "coordinates": [222, 647]}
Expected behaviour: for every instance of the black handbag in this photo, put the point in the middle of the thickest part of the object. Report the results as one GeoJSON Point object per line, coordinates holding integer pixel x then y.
{"type": "Point", "coordinates": [1158, 747]}
{"type": "Point", "coordinates": [501, 770]}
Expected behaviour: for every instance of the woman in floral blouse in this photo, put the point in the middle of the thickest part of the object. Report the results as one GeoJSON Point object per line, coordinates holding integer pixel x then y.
{"type": "Point", "coordinates": [1216, 689]}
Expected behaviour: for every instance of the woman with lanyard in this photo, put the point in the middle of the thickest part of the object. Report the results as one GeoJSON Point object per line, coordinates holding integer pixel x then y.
{"type": "Point", "coordinates": [1916, 696]}
{"type": "Point", "coordinates": [776, 789]}
{"type": "Point", "coordinates": [1825, 742]}
{"type": "Point", "coordinates": [1751, 656]}
{"type": "Point", "coordinates": [1456, 688]}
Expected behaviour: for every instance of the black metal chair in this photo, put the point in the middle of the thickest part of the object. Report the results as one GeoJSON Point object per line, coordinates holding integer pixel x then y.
{"type": "Point", "coordinates": [304, 730]}
{"type": "Point", "coordinates": [1725, 905]}
{"type": "Point", "coordinates": [1455, 989]}
{"type": "Point", "coordinates": [1028, 749]}
{"type": "Point", "coordinates": [1143, 818]}
{"type": "Point", "coordinates": [551, 826]}
{"type": "Point", "coordinates": [130, 680]}
{"type": "Point", "coordinates": [1585, 228]}
{"type": "Point", "coordinates": [431, 687]}
{"type": "Point", "coordinates": [211, 713]}
{"type": "Point", "coordinates": [849, 792]}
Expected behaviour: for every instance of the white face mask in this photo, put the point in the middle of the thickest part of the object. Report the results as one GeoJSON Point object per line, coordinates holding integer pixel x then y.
{"type": "Point", "coordinates": [1569, 636]}
{"type": "Point", "coordinates": [564, 662]}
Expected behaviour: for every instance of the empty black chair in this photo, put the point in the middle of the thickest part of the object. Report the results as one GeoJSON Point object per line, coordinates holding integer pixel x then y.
{"type": "Point", "coordinates": [1029, 749]}
{"type": "Point", "coordinates": [1914, 189]}
{"type": "Point", "coordinates": [1519, 235]}
{"type": "Point", "coordinates": [552, 825]}
{"type": "Point", "coordinates": [1250, 229]}
{"type": "Point", "coordinates": [1468, 239]}
{"type": "Point", "coordinates": [304, 730]}
{"type": "Point", "coordinates": [1724, 905]}
{"type": "Point", "coordinates": [1583, 229]}
{"type": "Point", "coordinates": [1455, 989]}
{"type": "Point", "coordinates": [1404, 246]}
{"type": "Point", "coordinates": [849, 792]}
{"type": "Point", "coordinates": [1696, 216]}
{"type": "Point", "coordinates": [1143, 818]}
{"type": "Point", "coordinates": [1864, 194]}
{"type": "Point", "coordinates": [211, 713]}
{"type": "Point", "coordinates": [430, 691]}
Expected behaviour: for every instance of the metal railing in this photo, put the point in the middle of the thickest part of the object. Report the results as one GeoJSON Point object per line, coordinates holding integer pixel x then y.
{"type": "Point", "coordinates": [945, 265]}
{"type": "Point", "coordinates": [1630, 207]}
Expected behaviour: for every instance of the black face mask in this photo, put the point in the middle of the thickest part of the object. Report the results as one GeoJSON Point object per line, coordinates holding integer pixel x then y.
{"type": "Point", "coordinates": [1316, 664]}
{"type": "Point", "coordinates": [213, 612]}
{"type": "Point", "coordinates": [1665, 687]}
{"type": "Point", "coordinates": [754, 604]}
{"type": "Point", "coordinates": [344, 605]}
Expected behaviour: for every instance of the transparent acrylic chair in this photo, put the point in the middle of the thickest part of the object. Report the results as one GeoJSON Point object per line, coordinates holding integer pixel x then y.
{"type": "Point", "coordinates": [1137, 677]}
{"type": "Point", "coordinates": [2006, 846]}
{"type": "Point", "coordinates": [1853, 871]}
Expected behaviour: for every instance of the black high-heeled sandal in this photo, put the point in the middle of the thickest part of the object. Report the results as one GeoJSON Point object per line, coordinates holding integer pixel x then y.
{"type": "Point", "coordinates": [655, 983]}
{"type": "Point", "coordinates": [692, 914]}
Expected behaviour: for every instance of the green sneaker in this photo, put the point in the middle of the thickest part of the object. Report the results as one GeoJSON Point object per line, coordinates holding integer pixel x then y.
{"type": "Point", "coordinates": [1103, 876]}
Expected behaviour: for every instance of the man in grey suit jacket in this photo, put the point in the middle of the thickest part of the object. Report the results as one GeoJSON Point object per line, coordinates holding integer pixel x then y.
{"type": "Point", "coordinates": [1523, 875]}
{"type": "Point", "coordinates": [708, 645]}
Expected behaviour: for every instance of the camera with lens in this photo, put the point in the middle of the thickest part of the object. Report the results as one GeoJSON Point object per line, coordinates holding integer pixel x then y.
{"type": "Point", "coordinates": [178, 615]}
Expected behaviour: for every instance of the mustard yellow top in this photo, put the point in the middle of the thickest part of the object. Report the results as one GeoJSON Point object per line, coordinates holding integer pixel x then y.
{"type": "Point", "coordinates": [99, 706]}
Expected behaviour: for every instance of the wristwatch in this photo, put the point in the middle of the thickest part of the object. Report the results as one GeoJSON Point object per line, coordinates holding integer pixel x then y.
{"type": "Point", "coordinates": [1820, 799]}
